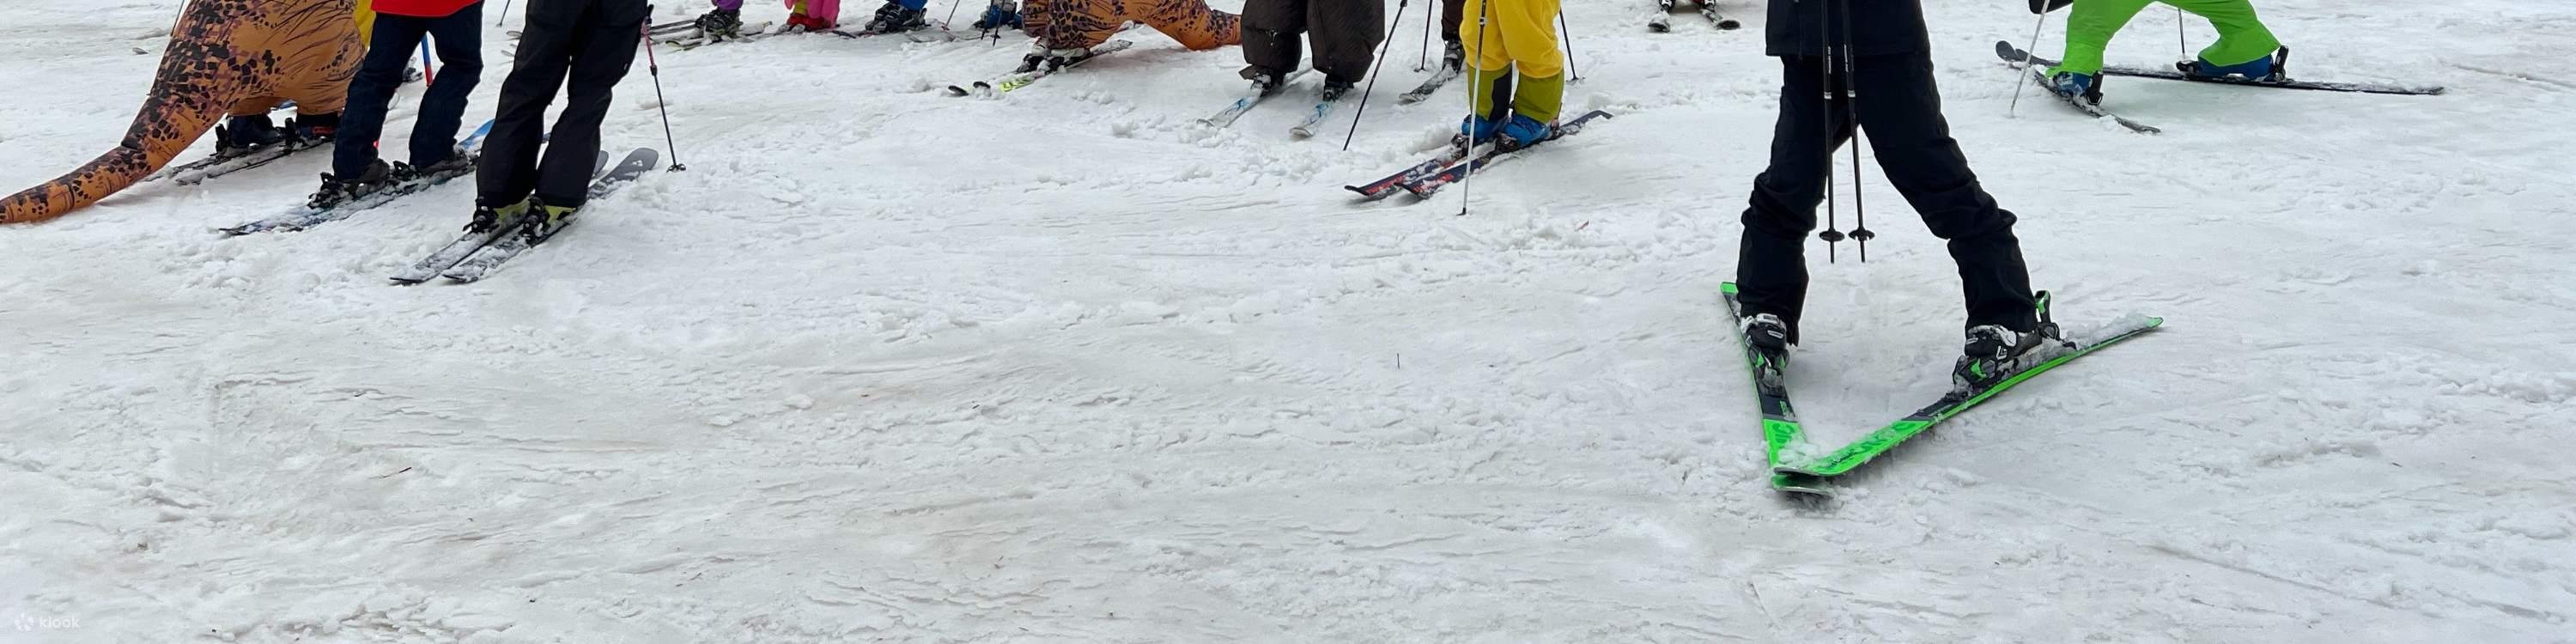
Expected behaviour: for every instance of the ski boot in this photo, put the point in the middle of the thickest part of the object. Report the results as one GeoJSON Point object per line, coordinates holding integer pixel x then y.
{"type": "Point", "coordinates": [1523, 131]}
{"type": "Point", "coordinates": [337, 190]}
{"type": "Point", "coordinates": [1765, 331]}
{"type": "Point", "coordinates": [2072, 85]}
{"type": "Point", "coordinates": [243, 134]}
{"type": "Point", "coordinates": [1000, 14]}
{"type": "Point", "coordinates": [314, 129]}
{"type": "Point", "coordinates": [2256, 69]}
{"type": "Point", "coordinates": [488, 218]}
{"type": "Point", "coordinates": [1453, 55]}
{"type": "Point", "coordinates": [1476, 130]}
{"type": "Point", "coordinates": [1051, 59]}
{"type": "Point", "coordinates": [1265, 80]}
{"type": "Point", "coordinates": [1994, 353]}
{"type": "Point", "coordinates": [458, 163]}
{"type": "Point", "coordinates": [1334, 89]}
{"type": "Point", "coordinates": [721, 23]}
{"type": "Point", "coordinates": [544, 220]}
{"type": "Point", "coordinates": [896, 18]}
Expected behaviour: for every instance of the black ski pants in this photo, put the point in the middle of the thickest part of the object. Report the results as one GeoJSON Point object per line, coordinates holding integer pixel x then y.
{"type": "Point", "coordinates": [1900, 110]}
{"type": "Point", "coordinates": [1346, 34]}
{"type": "Point", "coordinates": [593, 43]}
{"type": "Point", "coordinates": [459, 40]}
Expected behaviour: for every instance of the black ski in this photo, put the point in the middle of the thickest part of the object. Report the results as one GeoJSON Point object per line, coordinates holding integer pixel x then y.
{"type": "Point", "coordinates": [2278, 79]}
{"type": "Point", "coordinates": [466, 245]}
{"type": "Point", "coordinates": [1425, 186]}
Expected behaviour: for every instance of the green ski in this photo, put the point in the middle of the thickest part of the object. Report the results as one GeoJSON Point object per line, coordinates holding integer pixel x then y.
{"type": "Point", "coordinates": [1780, 432]}
{"type": "Point", "coordinates": [1860, 451]}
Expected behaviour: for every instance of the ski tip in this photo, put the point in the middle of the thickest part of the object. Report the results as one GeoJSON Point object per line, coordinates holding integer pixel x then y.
{"type": "Point", "coordinates": [955, 91]}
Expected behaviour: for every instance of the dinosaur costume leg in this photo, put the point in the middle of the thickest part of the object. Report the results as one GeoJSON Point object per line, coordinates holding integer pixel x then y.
{"type": "Point", "coordinates": [2090, 24]}
{"type": "Point", "coordinates": [1194, 24]}
{"type": "Point", "coordinates": [1083, 24]}
{"type": "Point", "coordinates": [221, 53]}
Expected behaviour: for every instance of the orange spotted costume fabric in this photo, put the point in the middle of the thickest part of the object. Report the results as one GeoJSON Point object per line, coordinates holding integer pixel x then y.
{"type": "Point", "coordinates": [236, 57]}
{"type": "Point", "coordinates": [1083, 24]}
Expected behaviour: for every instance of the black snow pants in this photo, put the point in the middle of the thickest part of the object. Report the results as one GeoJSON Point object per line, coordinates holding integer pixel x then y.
{"type": "Point", "coordinates": [1346, 34]}
{"type": "Point", "coordinates": [593, 43]}
{"type": "Point", "coordinates": [1900, 109]}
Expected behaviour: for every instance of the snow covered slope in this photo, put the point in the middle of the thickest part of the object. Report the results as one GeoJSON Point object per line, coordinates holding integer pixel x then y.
{"type": "Point", "coordinates": [1068, 367]}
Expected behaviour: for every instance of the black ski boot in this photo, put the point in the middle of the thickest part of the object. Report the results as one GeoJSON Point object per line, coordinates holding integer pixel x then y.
{"type": "Point", "coordinates": [721, 23]}
{"type": "Point", "coordinates": [896, 18]}
{"type": "Point", "coordinates": [1265, 80]}
{"type": "Point", "coordinates": [316, 129]}
{"type": "Point", "coordinates": [336, 191]}
{"type": "Point", "coordinates": [488, 218]}
{"type": "Point", "coordinates": [544, 220]}
{"type": "Point", "coordinates": [1995, 354]}
{"type": "Point", "coordinates": [1453, 55]}
{"type": "Point", "coordinates": [1765, 331]}
{"type": "Point", "coordinates": [243, 134]}
{"type": "Point", "coordinates": [1333, 89]}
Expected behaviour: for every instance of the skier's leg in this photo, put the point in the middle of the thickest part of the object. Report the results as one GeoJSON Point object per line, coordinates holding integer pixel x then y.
{"type": "Point", "coordinates": [1900, 110]}
{"type": "Point", "coordinates": [603, 51]}
{"type": "Point", "coordinates": [1770, 266]}
{"type": "Point", "coordinates": [2242, 38]}
{"type": "Point", "coordinates": [459, 38]}
{"type": "Point", "coordinates": [1192, 23]}
{"type": "Point", "coordinates": [1271, 30]}
{"type": "Point", "coordinates": [2089, 27]}
{"type": "Point", "coordinates": [824, 12]}
{"type": "Point", "coordinates": [362, 118]}
{"type": "Point", "coordinates": [1346, 34]}
{"type": "Point", "coordinates": [508, 170]}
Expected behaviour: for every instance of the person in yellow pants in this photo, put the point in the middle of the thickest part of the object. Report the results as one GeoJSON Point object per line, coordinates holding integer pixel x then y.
{"type": "Point", "coordinates": [1512, 38]}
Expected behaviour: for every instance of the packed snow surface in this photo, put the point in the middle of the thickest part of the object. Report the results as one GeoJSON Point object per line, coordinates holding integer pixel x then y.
{"type": "Point", "coordinates": [1068, 366]}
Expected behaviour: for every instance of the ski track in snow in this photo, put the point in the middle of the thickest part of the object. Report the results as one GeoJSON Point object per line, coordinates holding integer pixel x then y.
{"type": "Point", "coordinates": [1068, 366]}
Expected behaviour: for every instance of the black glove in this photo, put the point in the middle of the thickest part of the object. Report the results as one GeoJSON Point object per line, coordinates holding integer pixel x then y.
{"type": "Point", "coordinates": [2045, 6]}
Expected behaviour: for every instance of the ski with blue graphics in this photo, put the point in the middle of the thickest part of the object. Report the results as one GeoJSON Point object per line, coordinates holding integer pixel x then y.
{"type": "Point", "coordinates": [469, 245]}
{"type": "Point", "coordinates": [1449, 154]}
{"type": "Point", "coordinates": [1427, 185]}
{"type": "Point", "coordinates": [519, 236]}
{"type": "Point", "coordinates": [2015, 56]}
{"type": "Point", "coordinates": [1251, 97]}
{"type": "Point", "coordinates": [1315, 117]}
{"type": "Point", "coordinates": [307, 216]}
{"type": "Point", "coordinates": [1951, 404]}
{"type": "Point", "coordinates": [1782, 438]}
{"type": "Point", "coordinates": [1031, 71]}
{"type": "Point", "coordinates": [2086, 103]}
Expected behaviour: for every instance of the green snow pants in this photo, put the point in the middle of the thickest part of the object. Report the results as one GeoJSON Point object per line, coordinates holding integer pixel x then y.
{"type": "Point", "coordinates": [2089, 26]}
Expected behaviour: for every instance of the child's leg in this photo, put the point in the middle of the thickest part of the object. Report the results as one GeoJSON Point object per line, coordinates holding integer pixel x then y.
{"type": "Point", "coordinates": [2241, 37]}
{"type": "Point", "coordinates": [2089, 27]}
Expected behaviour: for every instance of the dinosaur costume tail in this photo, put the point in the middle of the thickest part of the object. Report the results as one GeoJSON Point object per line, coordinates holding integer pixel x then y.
{"type": "Point", "coordinates": [223, 55]}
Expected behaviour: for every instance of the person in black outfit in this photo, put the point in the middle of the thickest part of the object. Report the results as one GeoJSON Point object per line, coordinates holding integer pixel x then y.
{"type": "Point", "coordinates": [593, 43]}
{"type": "Point", "coordinates": [1900, 109]}
{"type": "Point", "coordinates": [356, 169]}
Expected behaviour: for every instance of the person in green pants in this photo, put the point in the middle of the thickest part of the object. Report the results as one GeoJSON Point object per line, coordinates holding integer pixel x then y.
{"type": "Point", "coordinates": [2244, 46]}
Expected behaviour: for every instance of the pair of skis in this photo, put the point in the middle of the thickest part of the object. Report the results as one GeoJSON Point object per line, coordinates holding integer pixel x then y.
{"type": "Point", "coordinates": [1662, 21]}
{"type": "Point", "coordinates": [307, 216]}
{"type": "Point", "coordinates": [1033, 70]}
{"type": "Point", "coordinates": [1796, 466]}
{"type": "Point", "coordinates": [1305, 128]}
{"type": "Point", "coordinates": [1428, 177]}
{"type": "Point", "coordinates": [2037, 68]}
{"type": "Point", "coordinates": [476, 254]}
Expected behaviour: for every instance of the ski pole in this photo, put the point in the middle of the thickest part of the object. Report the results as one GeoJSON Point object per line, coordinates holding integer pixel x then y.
{"type": "Point", "coordinates": [952, 14]}
{"type": "Point", "coordinates": [2182, 43]}
{"type": "Point", "coordinates": [2035, 28]}
{"type": "Point", "coordinates": [660, 104]}
{"type": "Point", "coordinates": [1467, 192]}
{"type": "Point", "coordinates": [504, 18]}
{"type": "Point", "coordinates": [1570, 74]}
{"type": "Point", "coordinates": [1851, 123]}
{"type": "Point", "coordinates": [1424, 64]}
{"type": "Point", "coordinates": [1400, 6]}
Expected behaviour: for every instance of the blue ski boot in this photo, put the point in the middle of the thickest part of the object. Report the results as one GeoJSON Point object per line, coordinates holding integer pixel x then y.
{"type": "Point", "coordinates": [2256, 69]}
{"type": "Point", "coordinates": [1000, 14]}
{"type": "Point", "coordinates": [1476, 130]}
{"type": "Point", "coordinates": [1524, 131]}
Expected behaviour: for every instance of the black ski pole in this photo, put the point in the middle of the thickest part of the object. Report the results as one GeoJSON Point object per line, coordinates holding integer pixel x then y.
{"type": "Point", "coordinates": [1570, 74]}
{"type": "Point", "coordinates": [1851, 123]}
{"type": "Point", "coordinates": [1427, 21]}
{"type": "Point", "coordinates": [1400, 6]}
{"type": "Point", "coordinates": [1833, 234]}
{"type": "Point", "coordinates": [653, 66]}
{"type": "Point", "coordinates": [504, 18]}
{"type": "Point", "coordinates": [1467, 193]}
{"type": "Point", "coordinates": [952, 14]}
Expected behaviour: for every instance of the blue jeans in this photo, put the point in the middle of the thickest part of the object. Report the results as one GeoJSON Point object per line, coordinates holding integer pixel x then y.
{"type": "Point", "coordinates": [459, 41]}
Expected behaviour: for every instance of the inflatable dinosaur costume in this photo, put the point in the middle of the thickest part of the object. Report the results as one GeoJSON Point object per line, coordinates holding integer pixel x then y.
{"type": "Point", "coordinates": [226, 57]}
{"type": "Point", "coordinates": [1083, 24]}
